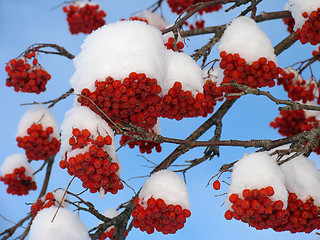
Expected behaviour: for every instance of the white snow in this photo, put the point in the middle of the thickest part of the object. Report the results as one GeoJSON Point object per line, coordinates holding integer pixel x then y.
{"type": "Point", "coordinates": [302, 178]}
{"type": "Point", "coordinates": [14, 161]}
{"type": "Point", "coordinates": [243, 36]}
{"type": "Point", "coordinates": [182, 68]}
{"type": "Point", "coordinates": [116, 50]}
{"type": "Point", "coordinates": [81, 4]}
{"type": "Point", "coordinates": [211, 74]}
{"type": "Point", "coordinates": [311, 113]}
{"type": "Point", "coordinates": [297, 7]}
{"type": "Point", "coordinates": [167, 185]}
{"type": "Point", "coordinates": [256, 171]}
{"type": "Point", "coordinates": [82, 117]}
{"type": "Point", "coordinates": [58, 194]}
{"type": "Point", "coordinates": [153, 18]}
{"type": "Point", "coordinates": [38, 114]}
{"type": "Point", "coordinates": [157, 128]}
{"type": "Point", "coordinates": [66, 225]}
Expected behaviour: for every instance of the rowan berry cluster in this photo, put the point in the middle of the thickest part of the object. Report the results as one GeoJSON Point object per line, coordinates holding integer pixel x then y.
{"type": "Point", "coordinates": [170, 45]}
{"type": "Point", "coordinates": [197, 24]}
{"type": "Point", "coordinates": [257, 209]}
{"type": "Point", "coordinates": [18, 182]}
{"type": "Point", "coordinates": [44, 202]}
{"type": "Point", "coordinates": [144, 146]}
{"type": "Point", "coordinates": [134, 99]}
{"type": "Point", "coordinates": [292, 122]}
{"type": "Point", "coordinates": [109, 234]}
{"type": "Point", "coordinates": [178, 104]}
{"type": "Point", "coordinates": [25, 77]}
{"type": "Point", "coordinates": [178, 6]}
{"type": "Point", "coordinates": [212, 92]}
{"type": "Point", "coordinates": [84, 18]}
{"type": "Point", "coordinates": [260, 73]}
{"type": "Point", "coordinates": [39, 144]}
{"type": "Point", "coordinates": [159, 216]}
{"type": "Point", "coordinates": [290, 22]}
{"type": "Point", "coordinates": [310, 31]}
{"type": "Point", "coordinates": [296, 87]}
{"type": "Point", "coordinates": [91, 163]}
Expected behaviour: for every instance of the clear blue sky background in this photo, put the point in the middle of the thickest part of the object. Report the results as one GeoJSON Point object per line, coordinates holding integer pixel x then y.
{"type": "Point", "coordinates": [25, 22]}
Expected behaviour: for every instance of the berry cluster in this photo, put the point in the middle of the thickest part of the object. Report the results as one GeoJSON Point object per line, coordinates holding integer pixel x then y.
{"type": "Point", "coordinates": [39, 144]}
{"type": "Point", "coordinates": [92, 165]}
{"type": "Point", "coordinates": [197, 24]}
{"type": "Point", "coordinates": [260, 73]}
{"type": "Point", "coordinates": [170, 45]}
{"type": "Point", "coordinates": [290, 22]}
{"type": "Point", "coordinates": [144, 146]}
{"type": "Point", "coordinates": [178, 104]}
{"type": "Point", "coordinates": [134, 99]}
{"type": "Point", "coordinates": [297, 88]}
{"type": "Point", "coordinates": [179, 6]}
{"type": "Point", "coordinates": [44, 202]}
{"type": "Point", "coordinates": [257, 209]}
{"type": "Point", "coordinates": [159, 216]}
{"type": "Point", "coordinates": [18, 182]}
{"type": "Point", "coordinates": [109, 234]}
{"type": "Point", "coordinates": [212, 92]}
{"type": "Point", "coordinates": [310, 31]}
{"type": "Point", "coordinates": [292, 122]}
{"type": "Point", "coordinates": [25, 77]}
{"type": "Point", "coordinates": [84, 18]}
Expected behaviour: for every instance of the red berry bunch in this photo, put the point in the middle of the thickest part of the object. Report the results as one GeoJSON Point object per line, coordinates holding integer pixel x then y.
{"type": "Point", "coordinates": [310, 31]}
{"type": "Point", "coordinates": [292, 122]}
{"type": "Point", "coordinates": [170, 45]}
{"type": "Point", "coordinates": [260, 73]}
{"type": "Point", "coordinates": [144, 146]}
{"type": "Point", "coordinates": [197, 24]}
{"type": "Point", "coordinates": [296, 87]}
{"type": "Point", "coordinates": [90, 162]}
{"type": "Point", "coordinates": [134, 99]}
{"type": "Point", "coordinates": [290, 22]}
{"type": "Point", "coordinates": [39, 143]}
{"type": "Point", "coordinates": [84, 17]}
{"type": "Point", "coordinates": [154, 214]}
{"type": "Point", "coordinates": [25, 77]}
{"type": "Point", "coordinates": [178, 104]}
{"type": "Point", "coordinates": [178, 6]}
{"type": "Point", "coordinates": [109, 234]}
{"type": "Point", "coordinates": [212, 92]}
{"type": "Point", "coordinates": [257, 209]}
{"type": "Point", "coordinates": [18, 182]}
{"type": "Point", "coordinates": [44, 202]}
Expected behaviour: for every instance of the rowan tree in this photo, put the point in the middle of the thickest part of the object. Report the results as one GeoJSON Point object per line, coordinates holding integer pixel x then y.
{"type": "Point", "coordinates": [170, 110]}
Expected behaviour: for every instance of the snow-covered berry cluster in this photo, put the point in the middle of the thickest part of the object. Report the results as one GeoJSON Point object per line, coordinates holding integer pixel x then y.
{"type": "Point", "coordinates": [297, 88]}
{"type": "Point", "coordinates": [282, 205]}
{"type": "Point", "coordinates": [38, 133]}
{"type": "Point", "coordinates": [84, 17]}
{"type": "Point", "coordinates": [144, 146]}
{"type": "Point", "coordinates": [178, 6]}
{"type": "Point", "coordinates": [170, 45]}
{"type": "Point", "coordinates": [88, 151]}
{"type": "Point", "coordinates": [162, 205]}
{"type": "Point", "coordinates": [92, 165]}
{"type": "Point", "coordinates": [39, 144]}
{"type": "Point", "coordinates": [310, 30]}
{"type": "Point", "coordinates": [17, 173]}
{"type": "Point", "coordinates": [25, 77]}
{"type": "Point", "coordinates": [50, 199]}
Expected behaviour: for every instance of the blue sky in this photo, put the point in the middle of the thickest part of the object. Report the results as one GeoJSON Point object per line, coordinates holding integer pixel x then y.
{"type": "Point", "coordinates": [23, 23]}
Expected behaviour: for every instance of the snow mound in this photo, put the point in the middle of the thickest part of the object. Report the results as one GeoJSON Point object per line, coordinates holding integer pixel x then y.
{"type": "Point", "coordinates": [244, 36]}
{"type": "Point", "coordinates": [66, 225]}
{"type": "Point", "coordinates": [38, 114]}
{"type": "Point", "coordinates": [116, 50]}
{"type": "Point", "coordinates": [297, 7]}
{"type": "Point", "coordinates": [302, 178]}
{"type": "Point", "coordinates": [14, 161]}
{"type": "Point", "coordinates": [182, 68]}
{"type": "Point", "coordinates": [58, 195]}
{"type": "Point", "coordinates": [167, 185]}
{"type": "Point", "coordinates": [256, 171]}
